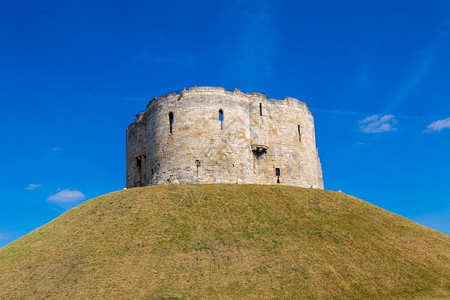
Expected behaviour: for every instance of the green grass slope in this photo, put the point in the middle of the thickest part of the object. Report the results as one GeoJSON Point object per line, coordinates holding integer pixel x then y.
{"type": "Point", "coordinates": [227, 241]}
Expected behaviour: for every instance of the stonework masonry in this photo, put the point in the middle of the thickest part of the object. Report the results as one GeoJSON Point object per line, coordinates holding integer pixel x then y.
{"type": "Point", "coordinates": [211, 135]}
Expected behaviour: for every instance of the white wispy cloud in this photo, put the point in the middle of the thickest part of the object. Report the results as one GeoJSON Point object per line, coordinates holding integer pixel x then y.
{"type": "Point", "coordinates": [67, 196]}
{"type": "Point", "coordinates": [56, 149]}
{"type": "Point", "coordinates": [3, 236]}
{"type": "Point", "coordinates": [438, 125]}
{"type": "Point", "coordinates": [378, 123]}
{"type": "Point", "coordinates": [32, 186]}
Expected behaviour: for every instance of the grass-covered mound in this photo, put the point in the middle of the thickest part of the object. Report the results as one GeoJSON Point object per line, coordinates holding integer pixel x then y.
{"type": "Point", "coordinates": [227, 241]}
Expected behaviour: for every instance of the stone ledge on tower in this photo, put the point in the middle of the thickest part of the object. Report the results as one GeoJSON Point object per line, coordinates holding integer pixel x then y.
{"type": "Point", "coordinates": [259, 148]}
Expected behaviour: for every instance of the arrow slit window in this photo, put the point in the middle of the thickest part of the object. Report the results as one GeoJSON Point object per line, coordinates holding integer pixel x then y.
{"type": "Point", "coordinates": [221, 119]}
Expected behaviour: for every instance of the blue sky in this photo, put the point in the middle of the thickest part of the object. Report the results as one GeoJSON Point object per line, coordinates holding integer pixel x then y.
{"type": "Point", "coordinates": [73, 74]}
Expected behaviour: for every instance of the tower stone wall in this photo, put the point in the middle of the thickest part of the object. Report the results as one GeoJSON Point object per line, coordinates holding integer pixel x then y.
{"type": "Point", "coordinates": [181, 138]}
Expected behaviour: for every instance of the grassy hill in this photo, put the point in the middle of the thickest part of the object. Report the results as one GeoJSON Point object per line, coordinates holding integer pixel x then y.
{"type": "Point", "coordinates": [227, 241]}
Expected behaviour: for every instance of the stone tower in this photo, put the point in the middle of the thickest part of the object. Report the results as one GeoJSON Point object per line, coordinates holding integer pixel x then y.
{"type": "Point", "coordinates": [211, 135]}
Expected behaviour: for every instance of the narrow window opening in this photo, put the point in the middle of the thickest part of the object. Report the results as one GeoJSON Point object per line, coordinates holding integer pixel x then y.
{"type": "Point", "coordinates": [170, 121]}
{"type": "Point", "coordinates": [299, 134]}
{"type": "Point", "coordinates": [197, 164]}
{"type": "Point", "coordinates": [138, 163]}
{"type": "Point", "coordinates": [221, 119]}
{"type": "Point", "coordinates": [277, 173]}
{"type": "Point", "coordinates": [140, 170]}
{"type": "Point", "coordinates": [260, 109]}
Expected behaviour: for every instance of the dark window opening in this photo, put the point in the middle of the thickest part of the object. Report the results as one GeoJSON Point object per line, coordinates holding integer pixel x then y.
{"type": "Point", "coordinates": [197, 164]}
{"type": "Point", "coordinates": [221, 119]}
{"type": "Point", "coordinates": [277, 173]}
{"type": "Point", "coordinates": [170, 121]}
{"type": "Point", "coordinates": [299, 134]}
{"type": "Point", "coordinates": [140, 170]}
{"type": "Point", "coordinates": [260, 109]}
{"type": "Point", "coordinates": [138, 162]}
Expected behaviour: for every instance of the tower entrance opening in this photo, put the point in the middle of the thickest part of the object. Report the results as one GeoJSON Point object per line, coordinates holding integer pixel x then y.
{"type": "Point", "coordinates": [140, 170]}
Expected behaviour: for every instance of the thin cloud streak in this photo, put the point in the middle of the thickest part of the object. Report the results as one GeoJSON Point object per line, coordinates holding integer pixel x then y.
{"type": "Point", "coordinates": [438, 125]}
{"type": "Point", "coordinates": [32, 186]}
{"type": "Point", "coordinates": [421, 70]}
{"type": "Point", "coordinates": [336, 111]}
{"type": "Point", "coordinates": [168, 58]}
{"type": "Point", "coordinates": [256, 42]}
{"type": "Point", "coordinates": [3, 236]}
{"type": "Point", "coordinates": [410, 82]}
{"type": "Point", "coordinates": [350, 112]}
